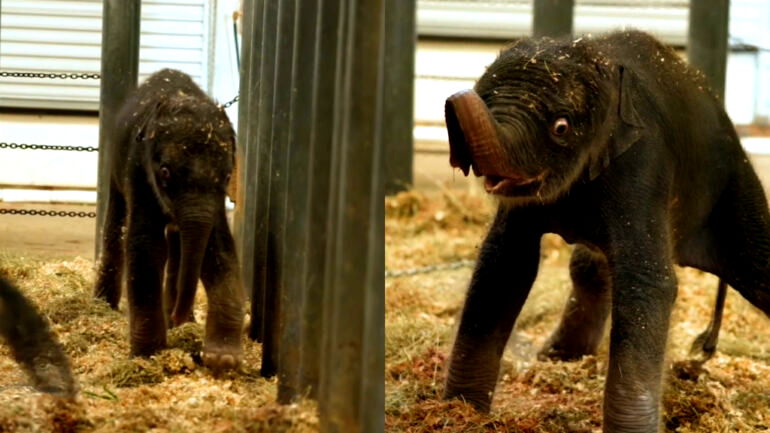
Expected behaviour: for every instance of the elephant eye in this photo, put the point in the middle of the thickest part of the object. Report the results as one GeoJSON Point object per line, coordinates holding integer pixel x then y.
{"type": "Point", "coordinates": [560, 127]}
{"type": "Point", "coordinates": [165, 173]}
{"type": "Point", "coordinates": [227, 179]}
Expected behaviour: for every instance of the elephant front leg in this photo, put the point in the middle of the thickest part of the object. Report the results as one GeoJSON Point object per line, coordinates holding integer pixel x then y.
{"type": "Point", "coordinates": [224, 323]}
{"type": "Point", "coordinates": [110, 272]}
{"type": "Point", "coordinates": [643, 296]}
{"type": "Point", "coordinates": [145, 258]}
{"type": "Point", "coordinates": [504, 274]}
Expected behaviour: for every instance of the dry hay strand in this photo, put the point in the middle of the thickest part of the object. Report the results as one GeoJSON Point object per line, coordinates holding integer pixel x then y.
{"type": "Point", "coordinates": [168, 392]}
{"type": "Point", "coordinates": [417, 212]}
{"type": "Point", "coordinates": [727, 393]}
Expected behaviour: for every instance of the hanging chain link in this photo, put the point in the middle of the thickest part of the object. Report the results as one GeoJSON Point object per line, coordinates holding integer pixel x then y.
{"type": "Point", "coordinates": [43, 212]}
{"type": "Point", "coordinates": [76, 76]}
{"type": "Point", "coordinates": [23, 146]}
{"type": "Point", "coordinates": [62, 75]}
{"type": "Point", "coordinates": [231, 102]}
{"type": "Point", "coordinates": [431, 268]}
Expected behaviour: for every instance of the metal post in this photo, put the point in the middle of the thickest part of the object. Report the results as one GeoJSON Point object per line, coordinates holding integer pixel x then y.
{"type": "Point", "coordinates": [247, 80]}
{"type": "Point", "coordinates": [400, 43]}
{"type": "Point", "coordinates": [299, 154]}
{"type": "Point", "coordinates": [120, 70]}
{"type": "Point", "coordinates": [263, 111]}
{"type": "Point", "coordinates": [552, 18]}
{"type": "Point", "coordinates": [313, 220]}
{"type": "Point", "coordinates": [275, 296]}
{"type": "Point", "coordinates": [273, 111]}
{"type": "Point", "coordinates": [248, 128]}
{"type": "Point", "coordinates": [328, 45]}
{"type": "Point", "coordinates": [352, 390]}
{"type": "Point", "coordinates": [707, 41]}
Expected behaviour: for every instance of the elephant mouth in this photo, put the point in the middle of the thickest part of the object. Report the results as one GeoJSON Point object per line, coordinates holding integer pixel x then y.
{"type": "Point", "coordinates": [510, 186]}
{"type": "Point", "coordinates": [474, 145]}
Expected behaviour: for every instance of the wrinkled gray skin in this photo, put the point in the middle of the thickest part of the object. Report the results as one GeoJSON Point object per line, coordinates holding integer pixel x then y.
{"type": "Point", "coordinates": [172, 157]}
{"type": "Point", "coordinates": [617, 146]}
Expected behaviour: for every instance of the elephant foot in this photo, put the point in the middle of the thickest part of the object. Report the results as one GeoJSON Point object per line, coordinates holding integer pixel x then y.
{"type": "Point", "coordinates": [108, 293]}
{"type": "Point", "coordinates": [472, 385]}
{"type": "Point", "coordinates": [179, 320]}
{"type": "Point", "coordinates": [479, 400]}
{"type": "Point", "coordinates": [563, 353]}
{"type": "Point", "coordinates": [220, 356]}
{"type": "Point", "coordinates": [563, 346]}
{"type": "Point", "coordinates": [222, 346]}
{"type": "Point", "coordinates": [148, 346]}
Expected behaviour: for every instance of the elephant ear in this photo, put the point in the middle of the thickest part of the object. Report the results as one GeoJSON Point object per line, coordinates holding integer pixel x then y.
{"type": "Point", "coordinates": [143, 130]}
{"type": "Point", "coordinates": [622, 126]}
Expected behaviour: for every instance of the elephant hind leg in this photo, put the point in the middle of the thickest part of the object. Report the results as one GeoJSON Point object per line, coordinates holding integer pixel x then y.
{"type": "Point", "coordinates": [585, 314]}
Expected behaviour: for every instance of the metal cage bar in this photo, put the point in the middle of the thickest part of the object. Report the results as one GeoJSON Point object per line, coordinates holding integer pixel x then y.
{"type": "Point", "coordinates": [313, 166]}
{"type": "Point", "coordinates": [398, 88]}
{"type": "Point", "coordinates": [552, 18]}
{"type": "Point", "coordinates": [707, 41]}
{"type": "Point", "coordinates": [119, 76]}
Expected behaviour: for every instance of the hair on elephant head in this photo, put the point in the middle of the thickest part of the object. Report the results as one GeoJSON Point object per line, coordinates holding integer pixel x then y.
{"type": "Point", "coordinates": [191, 152]}
{"type": "Point", "coordinates": [172, 158]}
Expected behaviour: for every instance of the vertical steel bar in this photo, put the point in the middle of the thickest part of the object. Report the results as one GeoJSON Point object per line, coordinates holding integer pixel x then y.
{"type": "Point", "coordinates": [298, 203]}
{"type": "Point", "coordinates": [707, 41]}
{"type": "Point", "coordinates": [400, 43]}
{"type": "Point", "coordinates": [264, 111]}
{"type": "Point", "coordinates": [281, 118]}
{"type": "Point", "coordinates": [326, 386]}
{"type": "Point", "coordinates": [119, 73]}
{"type": "Point", "coordinates": [552, 18]}
{"type": "Point", "coordinates": [247, 78]}
{"type": "Point", "coordinates": [248, 125]}
{"type": "Point", "coordinates": [373, 348]}
{"type": "Point", "coordinates": [324, 102]}
{"type": "Point", "coordinates": [352, 382]}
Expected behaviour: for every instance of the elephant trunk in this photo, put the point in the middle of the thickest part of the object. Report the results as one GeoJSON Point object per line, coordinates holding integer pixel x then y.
{"type": "Point", "coordinates": [194, 232]}
{"type": "Point", "coordinates": [473, 139]}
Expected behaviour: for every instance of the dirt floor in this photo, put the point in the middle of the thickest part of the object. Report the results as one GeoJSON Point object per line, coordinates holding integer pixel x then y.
{"type": "Point", "coordinates": [730, 393]}
{"type": "Point", "coordinates": [45, 236]}
{"type": "Point", "coordinates": [169, 392]}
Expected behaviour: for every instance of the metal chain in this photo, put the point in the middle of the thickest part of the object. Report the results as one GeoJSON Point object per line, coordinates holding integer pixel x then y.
{"type": "Point", "coordinates": [43, 212]}
{"type": "Point", "coordinates": [231, 102]}
{"type": "Point", "coordinates": [22, 146]}
{"type": "Point", "coordinates": [63, 75]}
{"type": "Point", "coordinates": [431, 268]}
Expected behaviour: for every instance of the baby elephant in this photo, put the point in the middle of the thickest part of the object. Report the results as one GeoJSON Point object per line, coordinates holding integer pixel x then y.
{"type": "Point", "coordinates": [172, 154]}
{"type": "Point", "coordinates": [613, 143]}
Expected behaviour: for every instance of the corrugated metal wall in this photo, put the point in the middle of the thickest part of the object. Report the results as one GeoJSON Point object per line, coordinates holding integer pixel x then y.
{"type": "Point", "coordinates": [65, 36]}
{"type": "Point", "coordinates": [506, 19]}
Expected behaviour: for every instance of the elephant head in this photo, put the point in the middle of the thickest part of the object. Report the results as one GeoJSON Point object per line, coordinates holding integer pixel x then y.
{"type": "Point", "coordinates": [542, 115]}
